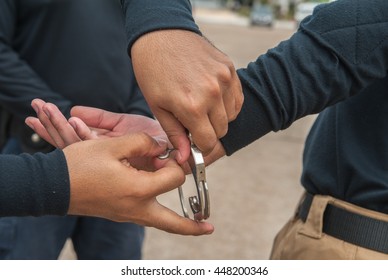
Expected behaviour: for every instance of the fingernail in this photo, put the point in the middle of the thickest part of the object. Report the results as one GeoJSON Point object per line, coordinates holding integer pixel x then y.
{"type": "Point", "coordinates": [46, 112]}
{"type": "Point", "coordinates": [161, 141]}
{"type": "Point", "coordinates": [73, 124]}
{"type": "Point", "coordinates": [30, 125]}
{"type": "Point", "coordinates": [36, 108]}
{"type": "Point", "coordinates": [178, 157]}
{"type": "Point", "coordinates": [210, 231]}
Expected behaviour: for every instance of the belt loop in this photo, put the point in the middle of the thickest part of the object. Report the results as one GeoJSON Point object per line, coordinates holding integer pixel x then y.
{"type": "Point", "coordinates": [314, 222]}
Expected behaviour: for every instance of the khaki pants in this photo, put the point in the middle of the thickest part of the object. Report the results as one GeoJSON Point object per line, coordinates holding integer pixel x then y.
{"type": "Point", "coordinates": [305, 240]}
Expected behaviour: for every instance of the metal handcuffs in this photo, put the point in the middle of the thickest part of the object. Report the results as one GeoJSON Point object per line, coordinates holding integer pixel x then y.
{"type": "Point", "coordinates": [199, 204]}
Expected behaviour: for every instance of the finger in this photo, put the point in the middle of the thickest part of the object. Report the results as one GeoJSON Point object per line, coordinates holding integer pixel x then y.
{"type": "Point", "coordinates": [137, 149]}
{"type": "Point", "coordinates": [158, 163]}
{"type": "Point", "coordinates": [186, 168]}
{"type": "Point", "coordinates": [233, 96]}
{"type": "Point", "coordinates": [203, 134]}
{"type": "Point", "coordinates": [37, 105]}
{"type": "Point", "coordinates": [169, 221]}
{"type": "Point", "coordinates": [219, 119]}
{"type": "Point", "coordinates": [217, 153]}
{"type": "Point", "coordinates": [95, 117]}
{"type": "Point", "coordinates": [82, 130]}
{"type": "Point", "coordinates": [155, 183]}
{"type": "Point", "coordinates": [166, 179]}
{"type": "Point", "coordinates": [45, 121]}
{"type": "Point", "coordinates": [136, 145]}
{"type": "Point", "coordinates": [37, 126]}
{"type": "Point", "coordinates": [176, 133]}
{"type": "Point", "coordinates": [62, 128]}
{"type": "Point", "coordinates": [196, 122]}
{"type": "Point", "coordinates": [229, 102]}
{"type": "Point", "coordinates": [141, 145]}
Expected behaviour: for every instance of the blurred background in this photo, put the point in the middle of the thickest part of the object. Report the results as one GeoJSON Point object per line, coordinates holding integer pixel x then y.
{"type": "Point", "coordinates": [255, 191]}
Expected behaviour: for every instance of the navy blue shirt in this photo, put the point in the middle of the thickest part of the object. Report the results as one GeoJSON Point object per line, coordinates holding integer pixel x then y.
{"type": "Point", "coordinates": [69, 52]}
{"type": "Point", "coordinates": [338, 54]}
{"type": "Point", "coordinates": [34, 185]}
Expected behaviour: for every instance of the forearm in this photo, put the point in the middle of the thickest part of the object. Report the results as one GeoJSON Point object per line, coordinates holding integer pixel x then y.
{"type": "Point", "coordinates": [34, 185]}
{"type": "Point", "coordinates": [318, 66]}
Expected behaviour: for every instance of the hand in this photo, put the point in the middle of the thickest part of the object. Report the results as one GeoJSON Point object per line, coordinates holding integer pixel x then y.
{"type": "Point", "coordinates": [189, 85]}
{"type": "Point", "coordinates": [102, 186]}
{"type": "Point", "coordinates": [87, 123]}
{"type": "Point", "coordinates": [92, 123]}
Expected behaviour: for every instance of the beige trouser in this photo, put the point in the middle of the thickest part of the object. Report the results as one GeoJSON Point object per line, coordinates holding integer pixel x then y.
{"type": "Point", "coordinates": [305, 240]}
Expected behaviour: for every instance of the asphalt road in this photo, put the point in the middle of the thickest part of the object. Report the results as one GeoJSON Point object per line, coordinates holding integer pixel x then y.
{"type": "Point", "coordinates": [254, 192]}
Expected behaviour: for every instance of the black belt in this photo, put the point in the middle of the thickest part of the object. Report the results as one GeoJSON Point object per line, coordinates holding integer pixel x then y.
{"type": "Point", "coordinates": [351, 227]}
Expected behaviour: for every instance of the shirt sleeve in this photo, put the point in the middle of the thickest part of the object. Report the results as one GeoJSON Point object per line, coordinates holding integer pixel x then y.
{"type": "Point", "coordinates": [34, 185]}
{"type": "Point", "coordinates": [19, 83]}
{"type": "Point", "coordinates": [335, 54]}
{"type": "Point", "coordinates": [145, 16]}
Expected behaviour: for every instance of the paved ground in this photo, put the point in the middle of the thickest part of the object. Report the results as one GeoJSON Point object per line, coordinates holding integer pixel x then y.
{"type": "Point", "coordinates": [254, 192]}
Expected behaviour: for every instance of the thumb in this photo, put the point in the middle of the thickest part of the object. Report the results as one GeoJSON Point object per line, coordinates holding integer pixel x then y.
{"type": "Point", "coordinates": [137, 145]}
{"type": "Point", "coordinates": [167, 220]}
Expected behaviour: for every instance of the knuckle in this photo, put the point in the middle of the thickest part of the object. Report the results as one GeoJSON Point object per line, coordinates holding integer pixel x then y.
{"type": "Point", "coordinates": [223, 131]}
{"type": "Point", "coordinates": [144, 138]}
{"type": "Point", "coordinates": [238, 103]}
{"type": "Point", "coordinates": [139, 193]}
{"type": "Point", "coordinates": [232, 115]}
{"type": "Point", "coordinates": [213, 89]}
{"type": "Point", "coordinates": [225, 73]}
{"type": "Point", "coordinates": [181, 177]}
{"type": "Point", "coordinates": [207, 146]}
{"type": "Point", "coordinates": [195, 109]}
{"type": "Point", "coordinates": [240, 98]}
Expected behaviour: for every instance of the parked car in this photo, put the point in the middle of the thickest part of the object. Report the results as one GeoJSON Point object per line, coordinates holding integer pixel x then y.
{"type": "Point", "coordinates": [262, 15]}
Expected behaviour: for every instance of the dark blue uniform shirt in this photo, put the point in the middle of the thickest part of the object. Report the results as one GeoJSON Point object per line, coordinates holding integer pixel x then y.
{"type": "Point", "coordinates": [338, 54]}
{"type": "Point", "coordinates": [48, 51]}
{"type": "Point", "coordinates": [335, 64]}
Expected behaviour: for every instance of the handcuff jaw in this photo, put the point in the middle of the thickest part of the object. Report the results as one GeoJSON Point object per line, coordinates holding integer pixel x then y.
{"type": "Point", "coordinates": [199, 204]}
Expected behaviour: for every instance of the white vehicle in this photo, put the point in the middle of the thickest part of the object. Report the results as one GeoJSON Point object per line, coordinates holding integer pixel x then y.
{"type": "Point", "coordinates": [303, 10]}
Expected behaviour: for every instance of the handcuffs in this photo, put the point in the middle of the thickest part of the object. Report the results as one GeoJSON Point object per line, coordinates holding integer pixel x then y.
{"type": "Point", "coordinates": [199, 204]}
